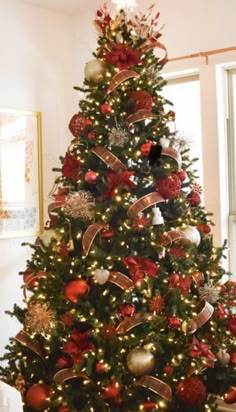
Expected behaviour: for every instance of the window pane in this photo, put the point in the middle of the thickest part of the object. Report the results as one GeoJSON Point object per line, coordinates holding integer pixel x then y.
{"type": "Point", "coordinates": [184, 93]}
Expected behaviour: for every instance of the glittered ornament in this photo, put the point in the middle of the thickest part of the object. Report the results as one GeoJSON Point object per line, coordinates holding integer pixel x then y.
{"type": "Point", "coordinates": [106, 108]}
{"type": "Point", "coordinates": [74, 289]}
{"type": "Point", "coordinates": [191, 391]}
{"type": "Point", "coordinates": [101, 275]}
{"type": "Point", "coordinates": [126, 310]}
{"type": "Point", "coordinates": [169, 187]}
{"type": "Point", "coordinates": [118, 136]}
{"type": "Point", "coordinates": [230, 396]}
{"type": "Point", "coordinates": [223, 357]}
{"type": "Point", "coordinates": [39, 318]}
{"type": "Point", "coordinates": [174, 322]}
{"type": "Point", "coordinates": [95, 70]}
{"type": "Point", "coordinates": [210, 292]}
{"type": "Point", "coordinates": [192, 234]}
{"type": "Point", "coordinates": [78, 123]}
{"type": "Point", "coordinates": [194, 199]}
{"type": "Point", "coordinates": [182, 175]}
{"type": "Point", "coordinates": [37, 395]}
{"type": "Point", "coordinates": [141, 99]}
{"type": "Point", "coordinates": [79, 205]}
{"type": "Point", "coordinates": [91, 177]}
{"type": "Point", "coordinates": [140, 361]}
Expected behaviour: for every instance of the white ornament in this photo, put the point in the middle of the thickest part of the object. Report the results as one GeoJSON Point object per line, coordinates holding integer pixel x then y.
{"type": "Point", "coordinates": [157, 216]}
{"type": "Point", "coordinates": [192, 234]}
{"type": "Point", "coordinates": [101, 275]}
{"type": "Point", "coordinates": [47, 236]}
{"type": "Point", "coordinates": [164, 142]}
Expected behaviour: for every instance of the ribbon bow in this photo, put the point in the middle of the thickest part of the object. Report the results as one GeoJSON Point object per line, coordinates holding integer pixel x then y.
{"type": "Point", "coordinates": [140, 266]}
{"type": "Point", "coordinates": [202, 350]}
{"type": "Point", "coordinates": [116, 180]}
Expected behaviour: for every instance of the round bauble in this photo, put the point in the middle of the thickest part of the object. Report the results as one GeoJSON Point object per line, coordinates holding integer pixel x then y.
{"type": "Point", "coordinates": [63, 408]}
{"type": "Point", "coordinates": [74, 289]}
{"type": "Point", "coordinates": [230, 396]}
{"type": "Point", "coordinates": [91, 177]}
{"type": "Point", "coordinates": [37, 395]}
{"type": "Point", "coordinates": [223, 357]}
{"type": "Point", "coordinates": [95, 70]}
{"type": "Point", "coordinates": [106, 108]}
{"type": "Point", "coordinates": [191, 391]}
{"type": "Point", "coordinates": [101, 276]}
{"type": "Point", "coordinates": [47, 236]}
{"type": "Point", "coordinates": [107, 233]}
{"type": "Point", "coordinates": [140, 361]}
{"type": "Point", "coordinates": [192, 234]}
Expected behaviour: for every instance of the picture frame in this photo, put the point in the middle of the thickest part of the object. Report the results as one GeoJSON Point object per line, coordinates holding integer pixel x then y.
{"type": "Point", "coordinates": [21, 177]}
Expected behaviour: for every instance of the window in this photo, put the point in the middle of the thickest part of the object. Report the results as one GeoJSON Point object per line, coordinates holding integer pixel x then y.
{"type": "Point", "coordinates": [184, 93]}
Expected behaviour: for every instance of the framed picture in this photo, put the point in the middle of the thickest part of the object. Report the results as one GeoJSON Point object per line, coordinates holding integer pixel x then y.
{"type": "Point", "coordinates": [21, 186]}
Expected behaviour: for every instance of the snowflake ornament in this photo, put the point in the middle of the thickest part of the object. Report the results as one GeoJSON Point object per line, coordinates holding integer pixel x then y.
{"type": "Point", "coordinates": [209, 292]}
{"type": "Point", "coordinates": [79, 205]}
{"type": "Point", "coordinates": [118, 136]}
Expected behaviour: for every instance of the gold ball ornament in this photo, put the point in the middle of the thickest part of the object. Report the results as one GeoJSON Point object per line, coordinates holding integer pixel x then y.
{"type": "Point", "coordinates": [140, 361]}
{"type": "Point", "coordinates": [95, 70]}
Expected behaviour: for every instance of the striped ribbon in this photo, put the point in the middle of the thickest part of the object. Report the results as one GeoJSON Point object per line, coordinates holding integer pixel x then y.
{"type": "Point", "coordinates": [173, 235]}
{"type": "Point", "coordinates": [121, 280]}
{"type": "Point", "coordinates": [25, 339]}
{"type": "Point", "coordinates": [141, 204]}
{"type": "Point", "coordinates": [129, 323]}
{"type": "Point", "coordinates": [112, 161]}
{"type": "Point", "coordinates": [89, 236]}
{"type": "Point", "coordinates": [142, 114]}
{"type": "Point", "coordinates": [119, 78]}
{"type": "Point", "coordinates": [174, 154]}
{"type": "Point", "coordinates": [30, 278]}
{"type": "Point", "coordinates": [201, 318]}
{"type": "Point", "coordinates": [68, 373]}
{"type": "Point", "coordinates": [160, 46]}
{"type": "Point", "coordinates": [156, 385]}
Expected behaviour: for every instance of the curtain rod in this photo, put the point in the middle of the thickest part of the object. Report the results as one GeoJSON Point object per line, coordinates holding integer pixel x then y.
{"type": "Point", "coordinates": [205, 54]}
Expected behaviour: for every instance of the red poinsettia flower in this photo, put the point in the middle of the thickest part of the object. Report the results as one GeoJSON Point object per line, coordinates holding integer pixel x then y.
{"type": "Point", "coordinates": [140, 266]}
{"type": "Point", "coordinates": [78, 345]}
{"type": "Point", "coordinates": [123, 56]}
{"type": "Point", "coordinates": [71, 166]}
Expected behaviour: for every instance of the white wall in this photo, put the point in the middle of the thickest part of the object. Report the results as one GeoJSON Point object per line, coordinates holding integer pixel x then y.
{"type": "Point", "coordinates": [43, 55]}
{"type": "Point", "coordinates": [36, 73]}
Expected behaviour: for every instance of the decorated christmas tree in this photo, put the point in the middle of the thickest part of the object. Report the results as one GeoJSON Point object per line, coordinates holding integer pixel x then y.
{"type": "Point", "coordinates": [127, 305]}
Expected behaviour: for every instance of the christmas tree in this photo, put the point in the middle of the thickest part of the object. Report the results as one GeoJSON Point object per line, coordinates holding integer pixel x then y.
{"type": "Point", "coordinates": [127, 304]}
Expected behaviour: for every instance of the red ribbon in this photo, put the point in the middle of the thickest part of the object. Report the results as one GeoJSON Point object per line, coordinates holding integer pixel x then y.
{"type": "Point", "coordinates": [156, 385]}
{"type": "Point", "coordinates": [26, 340]}
{"type": "Point", "coordinates": [140, 266]}
{"type": "Point", "coordinates": [202, 350]}
{"type": "Point", "coordinates": [68, 373]}
{"type": "Point", "coordinates": [116, 180]}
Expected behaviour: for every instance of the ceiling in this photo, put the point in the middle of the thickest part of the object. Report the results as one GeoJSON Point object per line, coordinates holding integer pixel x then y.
{"type": "Point", "coordinates": [68, 6]}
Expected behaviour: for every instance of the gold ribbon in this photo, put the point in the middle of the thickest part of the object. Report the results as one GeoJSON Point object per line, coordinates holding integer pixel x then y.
{"type": "Point", "coordinates": [142, 203]}
{"type": "Point", "coordinates": [129, 323]}
{"type": "Point", "coordinates": [174, 154]}
{"type": "Point", "coordinates": [121, 280]}
{"type": "Point", "coordinates": [140, 115]}
{"type": "Point", "coordinates": [68, 373]}
{"type": "Point", "coordinates": [112, 161]}
{"type": "Point", "coordinates": [89, 236]}
{"type": "Point", "coordinates": [174, 235]}
{"type": "Point", "coordinates": [156, 385]}
{"type": "Point", "coordinates": [25, 339]}
{"type": "Point", "coordinates": [119, 78]}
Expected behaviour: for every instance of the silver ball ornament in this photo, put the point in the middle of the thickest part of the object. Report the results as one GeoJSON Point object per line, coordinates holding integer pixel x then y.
{"type": "Point", "coordinates": [140, 361]}
{"type": "Point", "coordinates": [95, 70]}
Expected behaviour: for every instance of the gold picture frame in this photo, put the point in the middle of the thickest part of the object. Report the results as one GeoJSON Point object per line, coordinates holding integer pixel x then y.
{"type": "Point", "coordinates": [21, 173]}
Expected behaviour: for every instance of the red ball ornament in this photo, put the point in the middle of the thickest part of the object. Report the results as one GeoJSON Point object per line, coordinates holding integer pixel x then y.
{"type": "Point", "coordinates": [191, 391]}
{"type": "Point", "coordinates": [91, 177]}
{"type": "Point", "coordinates": [74, 289]}
{"type": "Point", "coordinates": [168, 369]}
{"type": "Point", "coordinates": [108, 233]}
{"type": "Point", "coordinates": [233, 357]}
{"type": "Point", "coordinates": [145, 149]}
{"type": "Point", "coordinates": [194, 199]}
{"type": "Point", "coordinates": [126, 310]}
{"type": "Point", "coordinates": [37, 395]}
{"type": "Point", "coordinates": [169, 187]}
{"type": "Point", "coordinates": [182, 175]}
{"type": "Point", "coordinates": [63, 408]}
{"type": "Point", "coordinates": [142, 100]}
{"type": "Point", "coordinates": [101, 367]}
{"type": "Point", "coordinates": [149, 405]}
{"type": "Point", "coordinates": [112, 393]}
{"type": "Point", "coordinates": [174, 322]}
{"type": "Point", "coordinates": [230, 396]}
{"type": "Point", "coordinates": [78, 123]}
{"type": "Point", "coordinates": [106, 108]}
